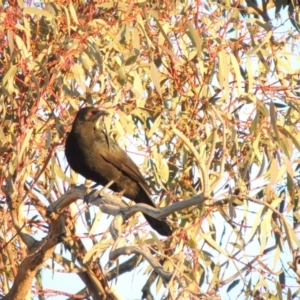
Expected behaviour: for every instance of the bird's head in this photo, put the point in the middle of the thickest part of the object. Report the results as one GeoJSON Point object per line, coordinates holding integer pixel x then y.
{"type": "Point", "coordinates": [88, 115]}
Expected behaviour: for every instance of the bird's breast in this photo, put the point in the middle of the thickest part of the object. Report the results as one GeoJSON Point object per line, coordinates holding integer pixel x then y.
{"type": "Point", "coordinates": [84, 157]}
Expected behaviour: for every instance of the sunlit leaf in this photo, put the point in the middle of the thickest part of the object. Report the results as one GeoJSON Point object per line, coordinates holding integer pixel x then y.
{"type": "Point", "coordinates": [213, 243]}
{"type": "Point", "coordinates": [154, 126]}
{"type": "Point", "coordinates": [60, 173]}
{"type": "Point", "coordinates": [38, 12]}
{"type": "Point", "coordinates": [155, 76]}
{"type": "Point", "coordinates": [26, 141]}
{"type": "Point", "coordinates": [98, 248]}
{"type": "Point", "coordinates": [237, 73]}
{"type": "Point", "coordinates": [96, 221]}
{"type": "Point", "coordinates": [195, 38]}
{"type": "Point", "coordinates": [10, 73]}
{"type": "Point", "coordinates": [73, 13]}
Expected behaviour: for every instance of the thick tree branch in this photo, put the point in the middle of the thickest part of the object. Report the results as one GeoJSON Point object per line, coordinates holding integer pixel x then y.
{"type": "Point", "coordinates": [111, 204]}
{"type": "Point", "coordinates": [166, 276]}
{"type": "Point", "coordinates": [39, 252]}
{"type": "Point", "coordinates": [15, 205]}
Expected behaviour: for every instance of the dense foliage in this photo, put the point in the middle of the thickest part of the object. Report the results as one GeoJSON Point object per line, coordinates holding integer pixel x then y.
{"type": "Point", "coordinates": [203, 95]}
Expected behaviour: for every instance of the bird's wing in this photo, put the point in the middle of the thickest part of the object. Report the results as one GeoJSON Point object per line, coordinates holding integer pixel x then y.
{"type": "Point", "coordinates": [113, 154]}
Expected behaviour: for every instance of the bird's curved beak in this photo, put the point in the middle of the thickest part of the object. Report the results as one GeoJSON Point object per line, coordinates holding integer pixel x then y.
{"type": "Point", "coordinates": [102, 113]}
{"type": "Point", "coordinates": [98, 116]}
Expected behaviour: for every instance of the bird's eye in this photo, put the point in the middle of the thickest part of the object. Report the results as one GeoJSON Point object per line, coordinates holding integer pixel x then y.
{"type": "Point", "coordinates": [90, 113]}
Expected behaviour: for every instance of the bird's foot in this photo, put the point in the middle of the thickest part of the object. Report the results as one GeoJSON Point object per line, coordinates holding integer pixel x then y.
{"type": "Point", "coordinates": [90, 196]}
{"type": "Point", "coordinates": [94, 194]}
{"type": "Point", "coordinates": [103, 192]}
{"type": "Point", "coordinates": [119, 194]}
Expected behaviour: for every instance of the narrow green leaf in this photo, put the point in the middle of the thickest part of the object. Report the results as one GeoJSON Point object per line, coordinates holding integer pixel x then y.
{"type": "Point", "coordinates": [58, 172]}
{"type": "Point", "coordinates": [284, 64]}
{"type": "Point", "coordinates": [34, 80]}
{"type": "Point", "coordinates": [169, 52]}
{"type": "Point", "coordinates": [274, 120]}
{"type": "Point", "coordinates": [278, 285]}
{"type": "Point", "coordinates": [223, 73]}
{"type": "Point", "coordinates": [126, 122]}
{"type": "Point", "coordinates": [21, 45]}
{"type": "Point", "coordinates": [255, 224]}
{"type": "Point", "coordinates": [163, 169]}
{"type": "Point", "coordinates": [154, 127]}
{"type": "Point", "coordinates": [73, 13]}
{"type": "Point", "coordinates": [265, 227]}
{"type": "Point", "coordinates": [157, 242]}
{"type": "Point", "coordinates": [213, 243]}
{"type": "Point", "coordinates": [79, 75]}
{"type": "Point", "coordinates": [46, 78]}
{"type": "Point", "coordinates": [291, 136]}
{"type": "Point", "coordinates": [140, 21]}
{"type": "Point", "coordinates": [107, 4]}
{"type": "Point", "coordinates": [250, 74]}
{"type": "Point", "coordinates": [155, 76]}
{"type": "Point", "coordinates": [261, 44]}
{"type": "Point", "coordinates": [119, 129]}
{"type": "Point", "coordinates": [25, 142]}
{"type": "Point", "coordinates": [10, 73]}
{"type": "Point", "coordinates": [163, 33]}
{"type": "Point", "coordinates": [138, 86]}
{"type": "Point", "coordinates": [21, 3]}
{"type": "Point", "coordinates": [291, 236]}
{"type": "Point", "coordinates": [237, 71]}
{"type": "Point", "coordinates": [95, 52]}
{"type": "Point", "coordinates": [159, 284]}
{"type": "Point", "coordinates": [131, 60]}
{"type": "Point", "coordinates": [232, 285]}
{"type": "Point", "coordinates": [136, 40]}
{"type": "Point", "coordinates": [148, 269]}
{"type": "Point", "coordinates": [273, 172]}
{"type": "Point", "coordinates": [38, 12]}
{"type": "Point", "coordinates": [96, 249]}
{"type": "Point", "coordinates": [96, 221]}
{"type": "Point", "coordinates": [122, 78]}
{"type": "Point", "coordinates": [10, 37]}
{"type": "Point", "coordinates": [194, 35]}
{"type": "Point", "coordinates": [68, 19]}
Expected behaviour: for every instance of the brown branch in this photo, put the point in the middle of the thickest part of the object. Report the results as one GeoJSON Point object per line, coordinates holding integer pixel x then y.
{"type": "Point", "coordinates": [166, 276]}
{"type": "Point", "coordinates": [15, 205]}
{"type": "Point", "coordinates": [124, 267]}
{"type": "Point", "coordinates": [40, 251]}
{"type": "Point", "coordinates": [146, 288]}
{"type": "Point", "coordinates": [111, 204]}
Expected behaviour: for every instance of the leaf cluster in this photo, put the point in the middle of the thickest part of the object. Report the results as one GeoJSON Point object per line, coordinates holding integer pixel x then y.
{"type": "Point", "coordinates": [208, 95]}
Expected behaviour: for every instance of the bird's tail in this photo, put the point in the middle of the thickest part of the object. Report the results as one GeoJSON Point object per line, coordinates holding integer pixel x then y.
{"type": "Point", "coordinates": [161, 227]}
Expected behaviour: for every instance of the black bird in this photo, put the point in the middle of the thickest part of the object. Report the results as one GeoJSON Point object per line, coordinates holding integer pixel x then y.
{"type": "Point", "coordinates": [93, 154]}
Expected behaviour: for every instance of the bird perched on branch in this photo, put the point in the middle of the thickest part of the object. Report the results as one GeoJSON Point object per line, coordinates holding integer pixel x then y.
{"type": "Point", "coordinates": [93, 154]}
